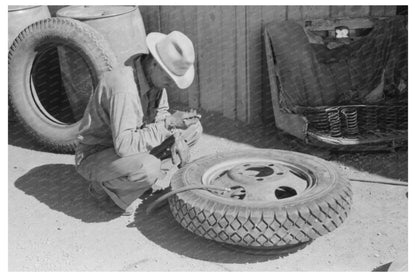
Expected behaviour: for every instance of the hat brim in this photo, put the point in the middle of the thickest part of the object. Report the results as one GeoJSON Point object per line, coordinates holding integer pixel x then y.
{"type": "Point", "coordinates": [181, 81]}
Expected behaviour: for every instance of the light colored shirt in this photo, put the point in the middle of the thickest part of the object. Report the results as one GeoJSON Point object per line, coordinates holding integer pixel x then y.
{"type": "Point", "coordinates": [124, 112]}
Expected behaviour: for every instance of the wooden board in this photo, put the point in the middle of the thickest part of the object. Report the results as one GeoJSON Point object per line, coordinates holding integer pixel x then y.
{"type": "Point", "coordinates": [390, 10]}
{"type": "Point", "coordinates": [151, 18]}
{"type": "Point", "coordinates": [294, 12]}
{"type": "Point", "coordinates": [191, 95]}
{"type": "Point", "coordinates": [312, 12]}
{"type": "Point", "coordinates": [376, 10]}
{"type": "Point", "coordinates": [209, 57]}
{"type": "Point", "coordinates": [183, 19]}
{"type": "Point", "coordinates": [357, 11]}
{"type": "Point", "coordinates": [228, 39]}
{"type": "Point", "coordinates": [241, 64]}
{"type": "Point", "coordinates": [272, 13]}
{"type": "Point", "coordinates": [171, 19]}
{"type": "Point", "coordinates": [254, 63]}
{"type": "Point", "coordinates": [349, 11]}
{"type": "Point", "coordinates": [337, 11]}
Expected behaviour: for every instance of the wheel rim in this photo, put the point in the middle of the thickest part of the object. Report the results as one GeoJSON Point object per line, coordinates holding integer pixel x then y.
{"type": "Point", "coordinates": [259, 179]}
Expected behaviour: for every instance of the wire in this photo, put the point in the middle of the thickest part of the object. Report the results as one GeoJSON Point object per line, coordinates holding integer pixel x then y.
{"type": "Point", "coordinates": [156, 203]}
{"type": "Point", "coordinates": [393, 183]}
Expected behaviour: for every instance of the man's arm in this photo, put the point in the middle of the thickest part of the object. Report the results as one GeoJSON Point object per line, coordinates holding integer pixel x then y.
{"type": "Point", "coordinates": [125, 112]}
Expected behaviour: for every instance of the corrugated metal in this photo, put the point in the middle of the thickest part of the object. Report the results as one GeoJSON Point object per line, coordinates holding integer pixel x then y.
{"type": "Point", "coordinates": [232, 72]}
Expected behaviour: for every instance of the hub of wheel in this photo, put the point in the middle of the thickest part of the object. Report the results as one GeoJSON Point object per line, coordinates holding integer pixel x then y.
{"type": "Point", "coordinates": [258, 179]}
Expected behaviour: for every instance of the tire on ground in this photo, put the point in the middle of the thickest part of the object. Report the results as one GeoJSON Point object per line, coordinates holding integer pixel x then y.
{"type": "Point", "coordinates": [60, 31]}
{"type": "Point", "coordinates": [276, 225]}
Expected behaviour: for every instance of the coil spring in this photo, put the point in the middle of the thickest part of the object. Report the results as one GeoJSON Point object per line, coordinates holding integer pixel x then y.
{"type": "Point", "coordinates": [370, 118]}
{"type": "Point", "coordinates": [402, 118]}
{"type": "Point", "coordinates": [318, 120]}
{"type": "Point", "coordinates": [390, 118]}
{"type": "Point", "coordinates": [334, 121]}
{"type": "Point", "coordinates": [351, 120]}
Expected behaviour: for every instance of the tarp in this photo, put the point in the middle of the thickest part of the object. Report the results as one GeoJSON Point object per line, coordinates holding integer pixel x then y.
{"type": "Point", "coordinates": [312, 74]}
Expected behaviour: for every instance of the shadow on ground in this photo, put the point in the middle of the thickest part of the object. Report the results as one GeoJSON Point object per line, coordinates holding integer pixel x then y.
{"type": "Point", "coordinates": [382, 268]}
{"type": "Point", "coordinates": [62, 189]}
{"type": "Point", "coordinates": [19, 137]}
{"type": "Point", "coordinates": [161, 228]}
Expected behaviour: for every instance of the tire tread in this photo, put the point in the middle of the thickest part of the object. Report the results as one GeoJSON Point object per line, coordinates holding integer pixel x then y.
{"type": "Point", "coordinates": [64, 25]}
{"type": "Point", "coordinates": [263, 228]}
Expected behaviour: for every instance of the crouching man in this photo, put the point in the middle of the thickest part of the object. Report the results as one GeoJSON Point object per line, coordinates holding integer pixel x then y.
{"type": "Point", "coordinates": [127, 117]}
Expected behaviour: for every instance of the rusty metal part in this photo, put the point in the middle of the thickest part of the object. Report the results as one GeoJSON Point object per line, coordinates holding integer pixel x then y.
{"type": "Point", "coordinates": [370, 117]}
{"type": "Point", "coordinates": [351, 120]}
{"type": "Point", "coordinates": [390, 118]}
{"type": "Point", "coordinates": [334, 121]}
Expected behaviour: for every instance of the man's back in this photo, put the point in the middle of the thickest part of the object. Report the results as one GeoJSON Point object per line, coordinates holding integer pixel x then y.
{"type": "Point", "coordinates": [95, 125]}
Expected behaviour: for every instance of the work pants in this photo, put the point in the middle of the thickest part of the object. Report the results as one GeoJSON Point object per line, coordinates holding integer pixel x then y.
{"type": "Point", "coordinates": [124, 179]}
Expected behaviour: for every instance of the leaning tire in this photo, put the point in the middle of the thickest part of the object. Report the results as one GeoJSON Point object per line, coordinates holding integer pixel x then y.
{"type": "Point", "coordinates": [81, 38]}
{"type": "Point", "coordinates": [279, 224]}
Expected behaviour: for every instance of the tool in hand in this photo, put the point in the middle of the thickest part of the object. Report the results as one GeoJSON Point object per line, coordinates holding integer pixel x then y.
{"type": "Point", "coordinates": [162, 151]}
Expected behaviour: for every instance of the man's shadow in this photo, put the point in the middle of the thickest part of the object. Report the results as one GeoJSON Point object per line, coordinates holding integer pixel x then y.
{"type": "Point", "coordinates": [62, 189]}
{"type": "Point", "coordinates": [160, 227]}
{"type": "Point", "coordinates": [18, 136]}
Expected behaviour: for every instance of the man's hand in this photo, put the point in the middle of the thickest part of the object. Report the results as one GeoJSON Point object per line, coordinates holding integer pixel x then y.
{"type": "Point", "coordinates": [182, 120]}
{"type": "Point", "coordinates": [180, 151]}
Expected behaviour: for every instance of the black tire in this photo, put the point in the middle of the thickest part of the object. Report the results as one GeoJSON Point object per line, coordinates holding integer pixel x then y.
{"type": "Point", "coordinates": [78, 36]}
{"type": "Point", "coordinates": [283, 224]}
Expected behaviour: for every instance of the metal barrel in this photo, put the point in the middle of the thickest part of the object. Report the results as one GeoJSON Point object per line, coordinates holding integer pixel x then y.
{"type": "Point", "coordinates": [20, 17]}
{"type": "Point", "coordinates": [122, 26]}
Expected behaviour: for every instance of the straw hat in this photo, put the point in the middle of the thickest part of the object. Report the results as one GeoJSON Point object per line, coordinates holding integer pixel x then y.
{"type": "Point", "coordinates": [175, 54]}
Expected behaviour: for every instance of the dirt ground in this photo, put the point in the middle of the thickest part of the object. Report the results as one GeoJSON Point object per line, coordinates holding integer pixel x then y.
{"type": "Point", "coordinates": [54, 225]}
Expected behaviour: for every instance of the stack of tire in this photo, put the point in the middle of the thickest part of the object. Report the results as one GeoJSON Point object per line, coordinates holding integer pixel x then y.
{"type": "Point", "coordinates": [91, 32]}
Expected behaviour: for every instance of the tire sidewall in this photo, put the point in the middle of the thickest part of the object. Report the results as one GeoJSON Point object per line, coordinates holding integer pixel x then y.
{"type": "Point", "coordinates": [274, 225]}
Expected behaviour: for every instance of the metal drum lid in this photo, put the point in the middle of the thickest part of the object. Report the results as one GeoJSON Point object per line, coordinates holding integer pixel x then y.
{"type": "Point", "coordinates": [16, 8]}
{"type": "Point", "coordinates": [93, 12]}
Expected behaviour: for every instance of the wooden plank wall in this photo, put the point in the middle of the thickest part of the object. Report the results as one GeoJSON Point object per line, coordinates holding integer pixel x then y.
{"type": "Point", "coordinates": [231, 66]}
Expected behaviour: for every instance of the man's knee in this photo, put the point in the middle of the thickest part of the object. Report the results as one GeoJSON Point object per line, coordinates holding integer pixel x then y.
{"type": "Point", "coordinates": [151, 167]}
{"type": "Point", "coordinates": [147, 169]}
